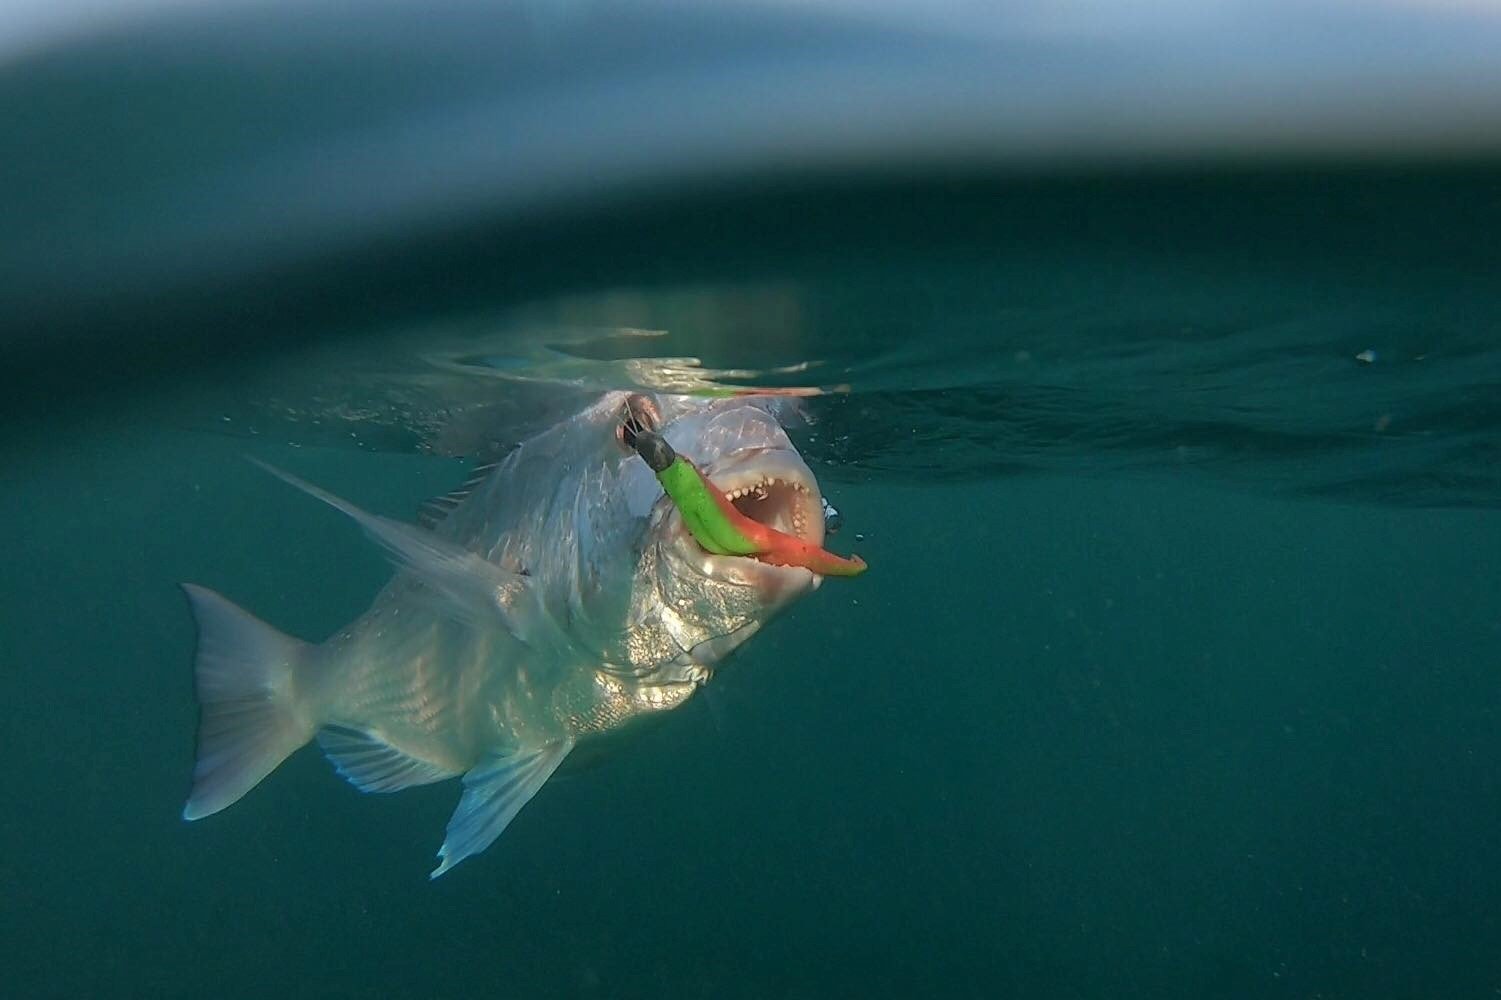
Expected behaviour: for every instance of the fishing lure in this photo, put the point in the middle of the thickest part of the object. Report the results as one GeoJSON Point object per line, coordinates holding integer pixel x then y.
{"type": "Point", "coordinates": [723, 530]}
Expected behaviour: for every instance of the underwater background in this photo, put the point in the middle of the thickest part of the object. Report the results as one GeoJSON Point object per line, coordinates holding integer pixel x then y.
{"type": "Point", "coordinates": [1069, 737]}
{"type": "Point", "coordinates": [1151, 357]}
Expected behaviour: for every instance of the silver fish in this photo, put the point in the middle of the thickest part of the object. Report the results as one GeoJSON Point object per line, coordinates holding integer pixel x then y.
{"type": "Point", "coordinates": [556, 603]}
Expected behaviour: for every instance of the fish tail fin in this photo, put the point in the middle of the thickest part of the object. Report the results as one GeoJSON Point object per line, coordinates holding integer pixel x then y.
{"type": "Point", "coordinates": [251, 717]}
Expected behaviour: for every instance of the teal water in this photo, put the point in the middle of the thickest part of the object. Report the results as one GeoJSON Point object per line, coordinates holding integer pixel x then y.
{"type": "Point", "coordinates": [1069, 737]}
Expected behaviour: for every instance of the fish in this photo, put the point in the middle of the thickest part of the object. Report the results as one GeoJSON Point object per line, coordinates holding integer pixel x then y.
{"type": "Point", "coordinates": [554, 604]}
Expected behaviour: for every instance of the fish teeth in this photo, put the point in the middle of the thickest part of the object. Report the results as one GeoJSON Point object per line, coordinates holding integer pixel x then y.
{"type": "Point", "coordinates": [758, 490]}
{"type": "Point", "coordinates": [797, 515]}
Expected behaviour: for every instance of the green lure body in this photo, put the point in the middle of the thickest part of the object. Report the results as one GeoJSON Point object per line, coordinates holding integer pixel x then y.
{"type": "Point", "coordinates": [722, 530]}
{"type": "Point", "coordinates": [701, 511]}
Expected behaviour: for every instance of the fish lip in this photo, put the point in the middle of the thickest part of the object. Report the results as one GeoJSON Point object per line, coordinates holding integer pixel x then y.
{"type": "Point", "coordinates": [747, 468]}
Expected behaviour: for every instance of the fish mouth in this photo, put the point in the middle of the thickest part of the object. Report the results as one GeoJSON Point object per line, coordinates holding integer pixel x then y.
{"type": "Point", "coordinates": [788, 505]}
{"type": "Point", "coordinates": [771, 487]}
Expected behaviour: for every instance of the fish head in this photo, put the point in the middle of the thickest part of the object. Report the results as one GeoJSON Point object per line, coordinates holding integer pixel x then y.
{"type": "Point", "coordinates": [693, 606]}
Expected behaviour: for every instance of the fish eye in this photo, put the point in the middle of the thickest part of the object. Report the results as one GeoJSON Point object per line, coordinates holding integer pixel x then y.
{"type": "Point", "coordinates": [639, 414]}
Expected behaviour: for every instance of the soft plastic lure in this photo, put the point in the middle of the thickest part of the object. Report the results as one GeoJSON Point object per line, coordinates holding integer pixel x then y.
{"type": "Point", "coordinates": [720, 528]}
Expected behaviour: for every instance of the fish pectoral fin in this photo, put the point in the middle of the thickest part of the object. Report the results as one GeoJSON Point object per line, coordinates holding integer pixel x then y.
{"type": "Point", "coordinates": [495, 789]}
{"type": "Point", "coordinates": [373, 765]}
{"type": "Point", "coordinates": [474, 590]}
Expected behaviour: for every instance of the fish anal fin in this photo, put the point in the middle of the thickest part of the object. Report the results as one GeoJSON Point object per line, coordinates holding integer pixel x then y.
{"type": "Point", "coordinates": [495, 789]}
{"type": "Point", "coordinates": [372, 765]}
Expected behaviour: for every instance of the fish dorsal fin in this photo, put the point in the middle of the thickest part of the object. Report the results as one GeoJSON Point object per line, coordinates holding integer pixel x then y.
{"type": "Point", "coordinates": [495, 789]}
{"type": "Point", "coordinates": [373, 765]}
{"type": "Point", "coordinates": [467, 587]}
{"type": "Point", "coordinates": [435, 510]}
